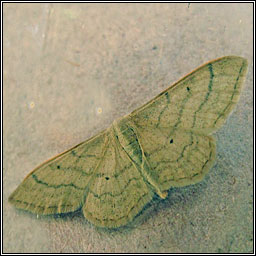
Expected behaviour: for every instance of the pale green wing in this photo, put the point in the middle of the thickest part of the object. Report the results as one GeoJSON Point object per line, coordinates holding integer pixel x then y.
{"type": "Point", "coordinates": [173, 129]}
{"type": "Point", "coordinates": [59, 185]}
{"type": "Point", "coordinates": [118, 191]}
{"type": "Point", "coordinates": [175, 160]}
{"type": "Point", "coordinates": [96, 174]}
{"type": "Point", "coordinates": [200, 101]}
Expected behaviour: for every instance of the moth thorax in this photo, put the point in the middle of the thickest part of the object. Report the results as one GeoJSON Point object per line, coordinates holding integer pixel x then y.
{"type": "Point", "coordinates": [127, 137]}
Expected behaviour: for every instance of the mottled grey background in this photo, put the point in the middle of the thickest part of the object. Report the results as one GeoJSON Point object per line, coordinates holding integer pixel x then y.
{"type": "Point", "coordinates": [64, 61]}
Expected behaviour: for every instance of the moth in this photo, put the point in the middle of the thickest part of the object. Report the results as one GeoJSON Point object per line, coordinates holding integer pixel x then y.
{"type": "Point", "coordinates": [165, 143]}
